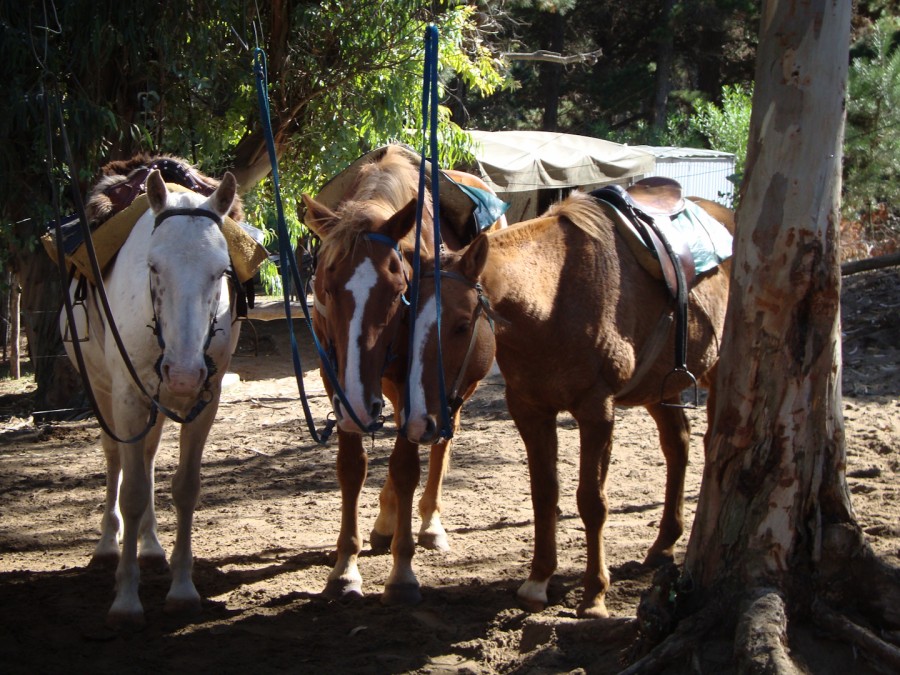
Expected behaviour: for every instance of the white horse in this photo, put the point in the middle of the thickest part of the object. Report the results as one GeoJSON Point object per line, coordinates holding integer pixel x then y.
{"type": "Point", "coordinates": [170, 300]}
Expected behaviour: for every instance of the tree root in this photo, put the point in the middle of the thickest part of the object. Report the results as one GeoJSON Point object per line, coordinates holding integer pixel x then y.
{"type": "Point", "coordinates": [878, 652]}
{"type": "Point", "coordinates": [761, 642]}
{"type": "Point", "coordinates": [680, 642]}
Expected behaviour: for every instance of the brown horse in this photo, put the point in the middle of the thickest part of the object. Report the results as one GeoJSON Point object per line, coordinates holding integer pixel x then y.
{"type": "Point", "coordinates": [361, 280]}
{"type": "Point", "coordinates": [574, 313]}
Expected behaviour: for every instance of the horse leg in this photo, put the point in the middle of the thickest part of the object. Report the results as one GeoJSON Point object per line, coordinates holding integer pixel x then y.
{"type": "Point", "coordinates": [344, 580]}
{"type": "Point", "coordinates": [595, 433]}
{"type": "Point", "coordinates": [538, 430]}
{"type": "Point", "coordinates": [183, 597]}
{"type": "Point", "coordinates": [150, 553]}
{"type": "Point", "coordinates": [130, 416]}
{"type": "Point", "coordinates": [106, 553]}
{"type": "Point", "coordinates": [402, 587]}
{"type": "Point", "coordinates": [431, 533]}
{"type": "Point", "coordinates": [674, 437]}
{"type": "Point", "coordinates": [386, 522]}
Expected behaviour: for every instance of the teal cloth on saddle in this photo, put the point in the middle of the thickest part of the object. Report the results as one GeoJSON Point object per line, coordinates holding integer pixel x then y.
{"type": "Point", "coordinates": [708, 239]}
{"type": "Point", "coordinates": [488, 207]}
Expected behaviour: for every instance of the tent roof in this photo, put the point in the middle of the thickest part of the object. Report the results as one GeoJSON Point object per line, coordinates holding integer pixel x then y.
{"type": "Point", "coordinates": [665, 152]}
{"type": "Point", "coordinates": [521, 161]}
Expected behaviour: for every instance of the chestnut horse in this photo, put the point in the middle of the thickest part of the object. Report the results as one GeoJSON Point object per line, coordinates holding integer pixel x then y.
{"type": "Point", "coordinates": [360, 288]}
{"type": "Point", "coordinates": [170, 299]}
{"type": "Point", "coordinates": [573, 312]}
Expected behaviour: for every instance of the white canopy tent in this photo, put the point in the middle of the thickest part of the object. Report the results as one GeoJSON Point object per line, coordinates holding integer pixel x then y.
{"type": "Point", "coordinates": [527, 169]}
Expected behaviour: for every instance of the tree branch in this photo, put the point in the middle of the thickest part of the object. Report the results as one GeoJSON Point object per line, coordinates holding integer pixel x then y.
{"type": "Point", "coordinates": [589, 58]}
{"type": "Point", "coordinates": [866, 264]}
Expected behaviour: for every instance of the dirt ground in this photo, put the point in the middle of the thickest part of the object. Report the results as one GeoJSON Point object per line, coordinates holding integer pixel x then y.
{"type": "Point", "coordinates": [268, 520]}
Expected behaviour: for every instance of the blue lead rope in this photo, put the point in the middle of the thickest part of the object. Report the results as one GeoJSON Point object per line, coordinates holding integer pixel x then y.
{"type": "Point", "coordinates": [289, 270]}
{"type": "Point", "coordinates": [429, 131]}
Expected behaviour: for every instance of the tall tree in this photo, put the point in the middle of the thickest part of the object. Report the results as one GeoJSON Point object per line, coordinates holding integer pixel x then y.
{"type": "Point", "coordinates": [774, 535]}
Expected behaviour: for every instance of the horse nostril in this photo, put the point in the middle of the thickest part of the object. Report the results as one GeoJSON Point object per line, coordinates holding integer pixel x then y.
{"type": "Point", "coordinates": [430, 427]}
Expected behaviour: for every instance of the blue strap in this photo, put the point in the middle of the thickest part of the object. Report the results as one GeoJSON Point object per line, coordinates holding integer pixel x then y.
{"type": "Point", "coordinates": [289, 270]}
{"type": "Point", "coordinates": [429, 123]}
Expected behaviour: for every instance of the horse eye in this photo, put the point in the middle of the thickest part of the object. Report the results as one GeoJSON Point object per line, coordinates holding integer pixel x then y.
{"type": "Point", "coordinates": [462, 328]}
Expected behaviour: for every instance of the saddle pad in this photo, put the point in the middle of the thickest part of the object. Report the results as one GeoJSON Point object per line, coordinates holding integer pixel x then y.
{"type": "Point", "coordinates": [246, 254]}
{"type": "Point", "coordinates": [708, 240]}
{"type": "Point", "coordinates": [488, 206]}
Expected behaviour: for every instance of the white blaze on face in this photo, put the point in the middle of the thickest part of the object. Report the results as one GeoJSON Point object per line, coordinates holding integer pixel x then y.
{"type": "Point", "coordinates": [360, 286]}
{"type": "Point", "coordinates": [426, 321]}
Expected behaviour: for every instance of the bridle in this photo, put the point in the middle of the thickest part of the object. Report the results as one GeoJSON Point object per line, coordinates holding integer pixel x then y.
{"type": "Point", "coordinates": [205, 395]}
{"type": "Point", "coordinates": [452, 400]}
{"type": "Point", "coordinates": [327, 355]}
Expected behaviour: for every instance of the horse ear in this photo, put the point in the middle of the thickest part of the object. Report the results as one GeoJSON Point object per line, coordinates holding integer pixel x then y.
{"type": "Point", "coordinates": [319, 218]}
{"type": "Point", "coordinates": [401, 223]}
{"type": "Point", "coordinates": [221, 200]}
{"type": "Point", "coordinates": [157, 194]}
{"type": "Point", "coordinates": [474, 258]}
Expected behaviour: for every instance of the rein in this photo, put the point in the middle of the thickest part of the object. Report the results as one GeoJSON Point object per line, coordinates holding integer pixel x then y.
{"type": "Point", "coordinates": [429, 123]}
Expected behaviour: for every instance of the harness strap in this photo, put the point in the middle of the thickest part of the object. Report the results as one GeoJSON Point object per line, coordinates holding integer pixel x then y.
{"type": "Point", "coordinates": [195, 212]}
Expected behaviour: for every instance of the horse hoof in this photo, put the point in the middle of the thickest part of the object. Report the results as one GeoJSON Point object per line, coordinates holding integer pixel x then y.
{"type": "Point", "coordinates": [592, 610]}
{"type": "Point", "coordinates": [401, 594]}
{"type": "Point", "coordinates": [531, 605]}
{"type": "Point", "coordinates": [104, 561]}
{"type": "Point", "coordinates": [435, 541]}
{"type": "Point", "coordinates": [342, 589]}
{"type": "Point", "coordinates": [125, 621]}
{"type": "Point", "coordinates": [659, 558]}
{"type": "Point", "coordinates": [380, 543]}
{"type": "Point", "coordinates": [154, 564]}
{"type": "Point", "coordinates": [183, 606]}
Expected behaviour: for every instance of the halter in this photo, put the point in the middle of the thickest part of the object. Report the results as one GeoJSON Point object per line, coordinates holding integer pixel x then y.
{"type": "Point", "coordinates": [452, 401]}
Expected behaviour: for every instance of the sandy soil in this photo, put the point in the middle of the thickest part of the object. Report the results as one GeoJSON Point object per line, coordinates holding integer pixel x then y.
{"type": "Point", "coordinates": [268, 521]}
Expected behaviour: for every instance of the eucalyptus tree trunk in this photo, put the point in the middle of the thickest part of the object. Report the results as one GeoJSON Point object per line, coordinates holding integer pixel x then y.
{"type": "Point", "coordinates": [774, 534]}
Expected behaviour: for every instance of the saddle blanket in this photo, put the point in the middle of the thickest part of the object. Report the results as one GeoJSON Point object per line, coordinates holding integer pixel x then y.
{"type": "Point", "coordinates": [247, 254]}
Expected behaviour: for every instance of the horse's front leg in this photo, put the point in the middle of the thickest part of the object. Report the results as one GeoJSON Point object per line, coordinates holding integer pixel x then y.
{"type": "Point", "coordinates": [183, 596]}
{"type": "Point", "coordinates": [431, 533]}
{"type": "Point", "coordinates": [595, 432]}
{"type": "Point", "coordinates": [352, 463]}
{"type": "Point", "coordinates": [130, 416]}
{"type": "Point", "coordinates": [150, 553]}
{"type": "Point", "coordinates": [402, 587]}
{"type": "Point", "coordinates": [674, 437]}
{"type": "Point", "coordinates": [538, 430]}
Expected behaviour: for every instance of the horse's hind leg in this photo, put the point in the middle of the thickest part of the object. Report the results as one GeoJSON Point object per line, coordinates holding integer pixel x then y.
{"type": "Point", "coordinates": [106, 553]}
{"type": "Point", "coordinates": [432, 534]}
{"type": "Point", "coordinates": [595, 431]}
{"type": "Point", "coordinates": [386, 522]}
{"type": "Point", "coordinates": [402, 587]}
{"type": "Point", "coordinates": [344, 580]}
{"type": "Point", "coordinates": [674, 437]}
{"type": "Point", "coordinates": [183, 596]}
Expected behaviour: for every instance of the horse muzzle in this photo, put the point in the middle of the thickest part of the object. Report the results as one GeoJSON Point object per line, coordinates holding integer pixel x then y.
{"type": "Point", "coordinates": [370, 419]}
{"type": "Point", "coordinates": [180, 381]}
{"type": "Point", "coordinates": [422, 430]}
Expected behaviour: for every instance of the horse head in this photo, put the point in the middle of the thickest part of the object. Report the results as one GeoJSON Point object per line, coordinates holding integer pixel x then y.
{"type": "Point", "coordinates": [187, 260]}
{"type": "Point", "coordinates": [467, 343]}
{"type": "Point", "coordinates": [360, 285]}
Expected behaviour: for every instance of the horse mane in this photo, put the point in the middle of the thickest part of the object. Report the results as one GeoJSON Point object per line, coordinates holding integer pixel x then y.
{"type": "Point", "coordinates": [100, 206]}
{"type": "Point", "coordinates": [578, 209]}
{"type": "Point", "coordinates": [382, 187]}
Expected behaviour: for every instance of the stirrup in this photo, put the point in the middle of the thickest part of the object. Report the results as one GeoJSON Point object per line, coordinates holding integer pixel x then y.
{"type": "Point", "coordinates": [680, 370]}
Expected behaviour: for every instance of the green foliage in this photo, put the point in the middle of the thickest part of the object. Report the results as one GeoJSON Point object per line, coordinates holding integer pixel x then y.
{"type": "Point", "coordinates": [726, 128]}
{"type": "Point", "coordinates": [872, 137]}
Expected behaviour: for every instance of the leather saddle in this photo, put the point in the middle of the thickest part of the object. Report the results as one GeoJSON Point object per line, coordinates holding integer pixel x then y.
{"type": "Point", "coordinates": [641, 213]}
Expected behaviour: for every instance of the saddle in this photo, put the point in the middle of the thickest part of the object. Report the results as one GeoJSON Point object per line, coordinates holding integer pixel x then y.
{"type": "Point", "coordinates": [641, 214]}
